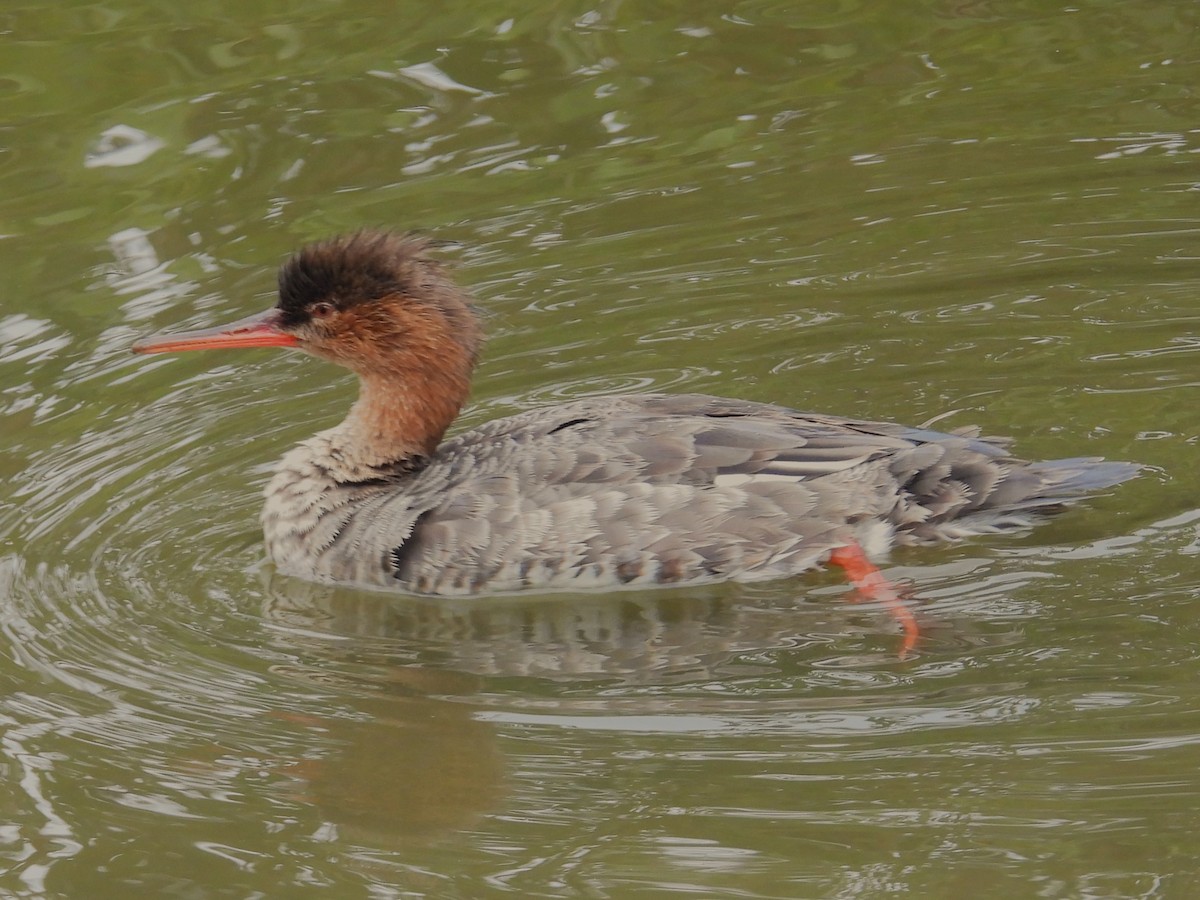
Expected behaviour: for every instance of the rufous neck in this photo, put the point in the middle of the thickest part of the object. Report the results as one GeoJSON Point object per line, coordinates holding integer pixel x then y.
{"type": "Point", "coordinates": [398, 420]}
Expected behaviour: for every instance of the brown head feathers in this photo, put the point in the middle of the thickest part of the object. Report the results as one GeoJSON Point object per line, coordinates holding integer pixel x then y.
{"type": "Point", "coordinates": [356, 268]}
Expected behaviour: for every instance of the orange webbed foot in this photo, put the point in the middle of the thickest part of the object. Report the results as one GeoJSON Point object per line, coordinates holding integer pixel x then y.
{"type": "Point", "coordinates": [870, 584]}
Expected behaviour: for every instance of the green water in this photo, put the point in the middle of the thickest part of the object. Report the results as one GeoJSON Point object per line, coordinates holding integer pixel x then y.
{"type": "Point", "coordinates": [981, 210]}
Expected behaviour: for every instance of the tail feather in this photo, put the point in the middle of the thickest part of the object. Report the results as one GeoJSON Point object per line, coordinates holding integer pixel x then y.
{"type": "Point", "coordinates": [1067, 478]}
{"type": "Point", "coordinates": [1027, 493]}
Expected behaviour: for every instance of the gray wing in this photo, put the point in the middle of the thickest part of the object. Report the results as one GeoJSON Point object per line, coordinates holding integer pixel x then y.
{"type": "Point", "coordinates": [676, 488]}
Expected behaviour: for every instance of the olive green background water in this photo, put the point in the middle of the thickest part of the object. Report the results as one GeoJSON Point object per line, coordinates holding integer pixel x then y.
{"type": "Point", "coordinates": [980, 210]}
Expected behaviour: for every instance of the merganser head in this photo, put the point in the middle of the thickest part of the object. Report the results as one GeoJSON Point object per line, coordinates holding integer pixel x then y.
{"type": "Point", "coordinates": [372, 301]}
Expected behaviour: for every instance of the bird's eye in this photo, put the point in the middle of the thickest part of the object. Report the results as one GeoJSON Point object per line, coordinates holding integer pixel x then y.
{"type": "Point", "coordinates": [322, 310]}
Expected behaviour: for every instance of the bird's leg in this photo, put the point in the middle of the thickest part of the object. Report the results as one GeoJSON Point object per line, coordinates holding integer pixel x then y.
{"type": "Point", "coordinates": [870, 584]}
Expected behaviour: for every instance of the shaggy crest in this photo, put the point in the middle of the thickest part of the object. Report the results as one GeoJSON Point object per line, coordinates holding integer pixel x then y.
{"type": "Point", "coordinates": [352, 269]}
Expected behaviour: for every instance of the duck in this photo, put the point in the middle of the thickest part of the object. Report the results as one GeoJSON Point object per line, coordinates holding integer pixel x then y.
{"type": "Point", "coordinates": [622, 490]}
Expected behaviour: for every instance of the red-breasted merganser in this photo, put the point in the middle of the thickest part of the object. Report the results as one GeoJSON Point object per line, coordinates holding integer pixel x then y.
{"type": "Point", "coordinates": [631, 489]}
